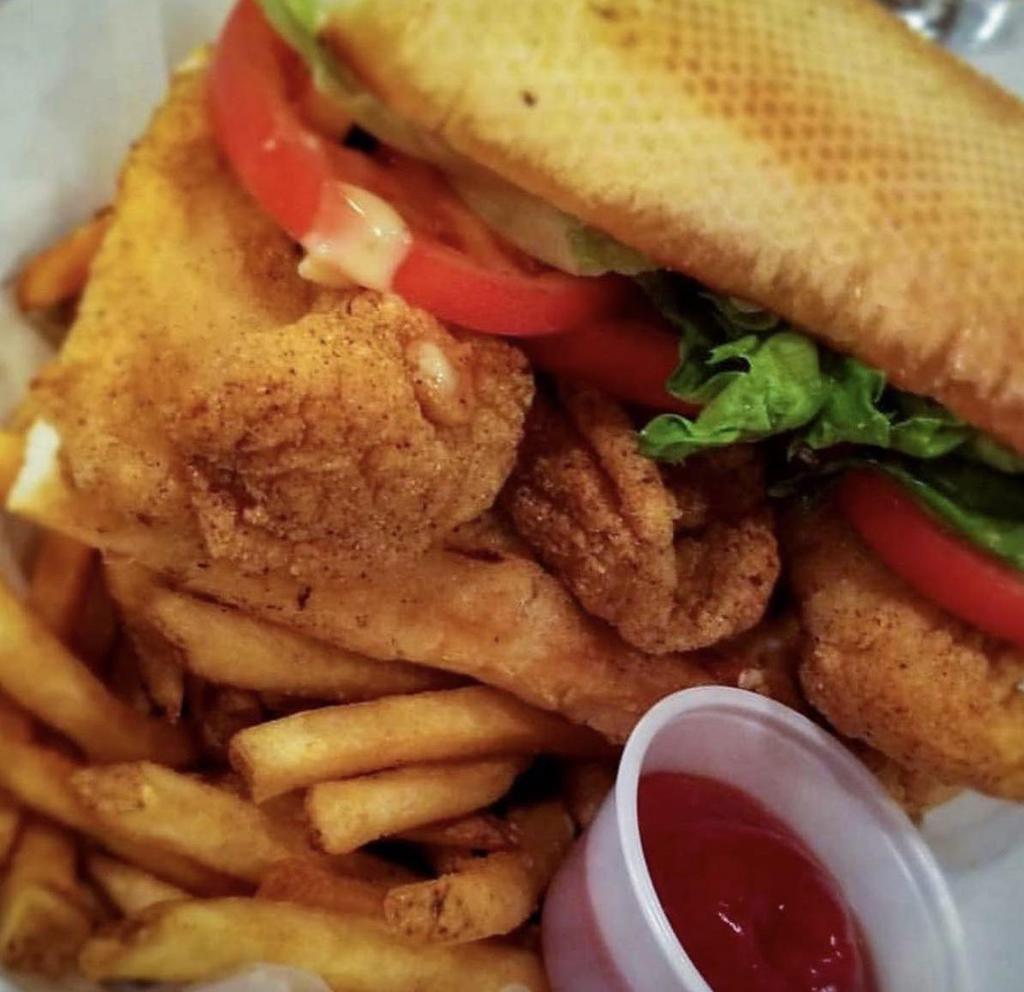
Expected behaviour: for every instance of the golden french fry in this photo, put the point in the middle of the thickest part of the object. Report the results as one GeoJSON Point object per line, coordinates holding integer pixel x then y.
{"type": "Point", "coordinates": [41, 675]}
{"type": "Point", "coordinates": [479, 832]}
{"type": "Point", "coordinates": [10, 823]}
{"type": "Point", "coordinates": [158, 660]}
{"type": "Point", "coordinates": [39, 779]}
{"type": "Point", "coordinates": [484, 897]}
{"type": "Point", "coordinates": [316, 885]}
{"type": "Point", "coordinates": [155, 806]}
{"type": "Point", "coordinates": [60, 577]}
{"type": "Point", "coordinates": [130, 889]}
{"type": "Point", "coordinates": [163, 680]}
{"type": "Point", "coordinates": [225, 646]}
{"type": "Point", "coordinates": [12, 447]}
{"type": "Point", "coordinates": [60, 271]}
{"type": "Point", "coordinates": [342, 741]}
{"type": "Point", "coordinates": [45, 854]}
{"type": "Point", "coordinates": [489, 895]}
{"type": "Point", "coordinates": [586, 783]}
{"type": "Point", "coordinates": [194, 940]}
{"type": "Point", "coordinates": [346, 815]}
{"type": "Point", "coordinates": [44, 918]}
{"type": "Point", "coordinates": [41, 931]}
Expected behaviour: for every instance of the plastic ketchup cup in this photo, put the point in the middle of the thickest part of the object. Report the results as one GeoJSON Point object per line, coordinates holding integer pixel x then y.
{"type": "Point", "coordinates": [603, 927]}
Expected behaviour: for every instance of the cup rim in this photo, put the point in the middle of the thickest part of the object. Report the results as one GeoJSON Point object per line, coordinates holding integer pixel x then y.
{"type": "Point", "coordinates": [911, 845]}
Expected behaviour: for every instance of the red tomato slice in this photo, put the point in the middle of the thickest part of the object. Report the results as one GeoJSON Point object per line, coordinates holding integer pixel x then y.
{"type": "Point", "coordinates": [299, 178]}
{"type": "Point", "coordinates": [630, 358]}
{"type": "Point", "coordinates": [940, 565]}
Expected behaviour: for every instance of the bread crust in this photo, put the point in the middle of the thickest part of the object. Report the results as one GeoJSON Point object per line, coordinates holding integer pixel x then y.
{"type": "Point", "coordinates": [818, 159]}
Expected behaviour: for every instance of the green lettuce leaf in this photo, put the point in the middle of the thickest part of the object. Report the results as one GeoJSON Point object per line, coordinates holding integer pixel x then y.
{"type": "Point", "coordinates": [750, 389]}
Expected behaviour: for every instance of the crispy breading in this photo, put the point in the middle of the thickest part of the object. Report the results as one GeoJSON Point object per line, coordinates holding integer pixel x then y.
{"type": "Point", "coordinates": [674, 558]}
{"type": "Point", "coordinates": [886, 666]}
{"type": "Point", "coordinates": [206, 386]}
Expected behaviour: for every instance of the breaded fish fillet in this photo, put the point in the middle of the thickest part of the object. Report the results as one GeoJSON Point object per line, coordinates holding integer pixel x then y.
{"type": "Point", "coordinates": [888, 667]}
{"type": "Point", "coordinates": [207, 388]}
{"type": "Point", "coordinates": [675, 558]}
{"type": "Point", "coordinates": [479, 607]}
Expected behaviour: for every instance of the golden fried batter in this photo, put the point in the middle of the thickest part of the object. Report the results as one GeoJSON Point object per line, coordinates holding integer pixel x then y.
{"type": "Point", "coordinates": [766, 660]}
{"type": "Point", "coordinates": [888, 667]}
{"type": "Point", "coordinates": [674, 558]}
{"type": "Point", "coordinates": [207, 387]}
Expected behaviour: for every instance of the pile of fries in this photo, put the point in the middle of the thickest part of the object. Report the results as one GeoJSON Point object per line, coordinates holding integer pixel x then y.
{"type": "Point", "coordinates": [185, 789]}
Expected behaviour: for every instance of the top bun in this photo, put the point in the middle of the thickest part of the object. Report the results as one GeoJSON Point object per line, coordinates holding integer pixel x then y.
{"type": "Point", "coordinates": [816, 158]}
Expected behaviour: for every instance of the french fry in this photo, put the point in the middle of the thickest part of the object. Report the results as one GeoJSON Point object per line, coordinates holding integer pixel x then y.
{"type": "Point", "coordinates": [44, 917]}
{"type": "Point", "coordinates": [343, 741]}
{"type": "Point", "coordinates": [315, 885]}
{"type": "Point", "coordinates": [45, 854]}
{"type": "Point", "coordinates": [157, 807]}
{"type": "Point", "coordinates": [41, 931]}
{"type": "Point", "coordinates": [39, 779]}
{"type": "Point", "coordinates": [489, 895]}
{"type": "Point", "coordinates": [60, 577]}
{"type": "Point", "coordinates": [12, 446]}
{"type": "Point", "coordinates": [10, 823]}
{"type": "Point", "coordinates": [158, 660]}
{"type": "Point", "coordinates": [195, 940]}
{"type": "Point", "coordinates": [41, 675]}
{"type": "Point", "coordinates": [479, 832]}
{"type": "Point", "coordinates": [586, 783]}
{"type": "Point", "coordinates": [346, 815]}
{"type": "Point", "coordinates": [129, 889]}
{"type": "Point", "coordinates": [163, 680]}
{"type": "Point", "coordinates": [60, 271]}
{"type": "Point", "coordinates": [227, 647]}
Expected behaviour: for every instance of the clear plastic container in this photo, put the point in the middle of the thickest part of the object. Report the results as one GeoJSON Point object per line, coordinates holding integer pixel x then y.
{"type": "Point", "coordinates": [603, 928]}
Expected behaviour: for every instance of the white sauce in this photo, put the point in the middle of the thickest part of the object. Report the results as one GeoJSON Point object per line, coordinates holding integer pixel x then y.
{"type": "Point", "coordinates": [367, 253]}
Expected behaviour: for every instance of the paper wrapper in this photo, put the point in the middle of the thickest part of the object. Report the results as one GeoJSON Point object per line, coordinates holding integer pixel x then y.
{"type": "Point", "coordinates": [78, 80]}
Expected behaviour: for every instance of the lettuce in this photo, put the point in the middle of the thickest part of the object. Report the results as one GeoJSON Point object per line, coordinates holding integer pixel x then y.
{"type": "Point", "coordinates": [755, 378]}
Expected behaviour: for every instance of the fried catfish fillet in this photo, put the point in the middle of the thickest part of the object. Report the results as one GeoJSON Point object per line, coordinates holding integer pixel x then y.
{"type": "Point", "coordinates": [477, 605]}
{"type": "Point", "coordinates": [207, 388]}
{"type": "Point", "coordinates": [887, 667]}
{"type": "Point", "coordinates": [676, 558]}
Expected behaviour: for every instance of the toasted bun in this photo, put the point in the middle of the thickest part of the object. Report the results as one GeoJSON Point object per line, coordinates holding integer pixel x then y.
{"type": "Point", "coordinates": [816, 158]}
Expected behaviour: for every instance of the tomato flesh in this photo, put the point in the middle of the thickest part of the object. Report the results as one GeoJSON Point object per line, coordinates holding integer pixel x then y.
{"type": "Point", "coordinates": [297, 177]}
{"type": "Point", "coordinates": [936, 563]}
{"type": "Point", "coordinates": [631, 358]}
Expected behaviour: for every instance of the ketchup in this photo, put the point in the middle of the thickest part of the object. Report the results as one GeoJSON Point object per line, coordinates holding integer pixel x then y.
{"type": "Point", "coordinates": [746, 898]}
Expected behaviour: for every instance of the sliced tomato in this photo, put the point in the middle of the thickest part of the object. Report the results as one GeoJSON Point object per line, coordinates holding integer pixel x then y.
{"type": "Point", "coordinates": [630, 358]}
{"type": "Point", "coordinates": [301, 179]}
{"type": "Point", "coordinates": [940, 565]}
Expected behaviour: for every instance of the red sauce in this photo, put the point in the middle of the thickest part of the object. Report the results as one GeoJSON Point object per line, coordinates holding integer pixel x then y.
{"type": "Point", "coordinates": [746, 898]}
